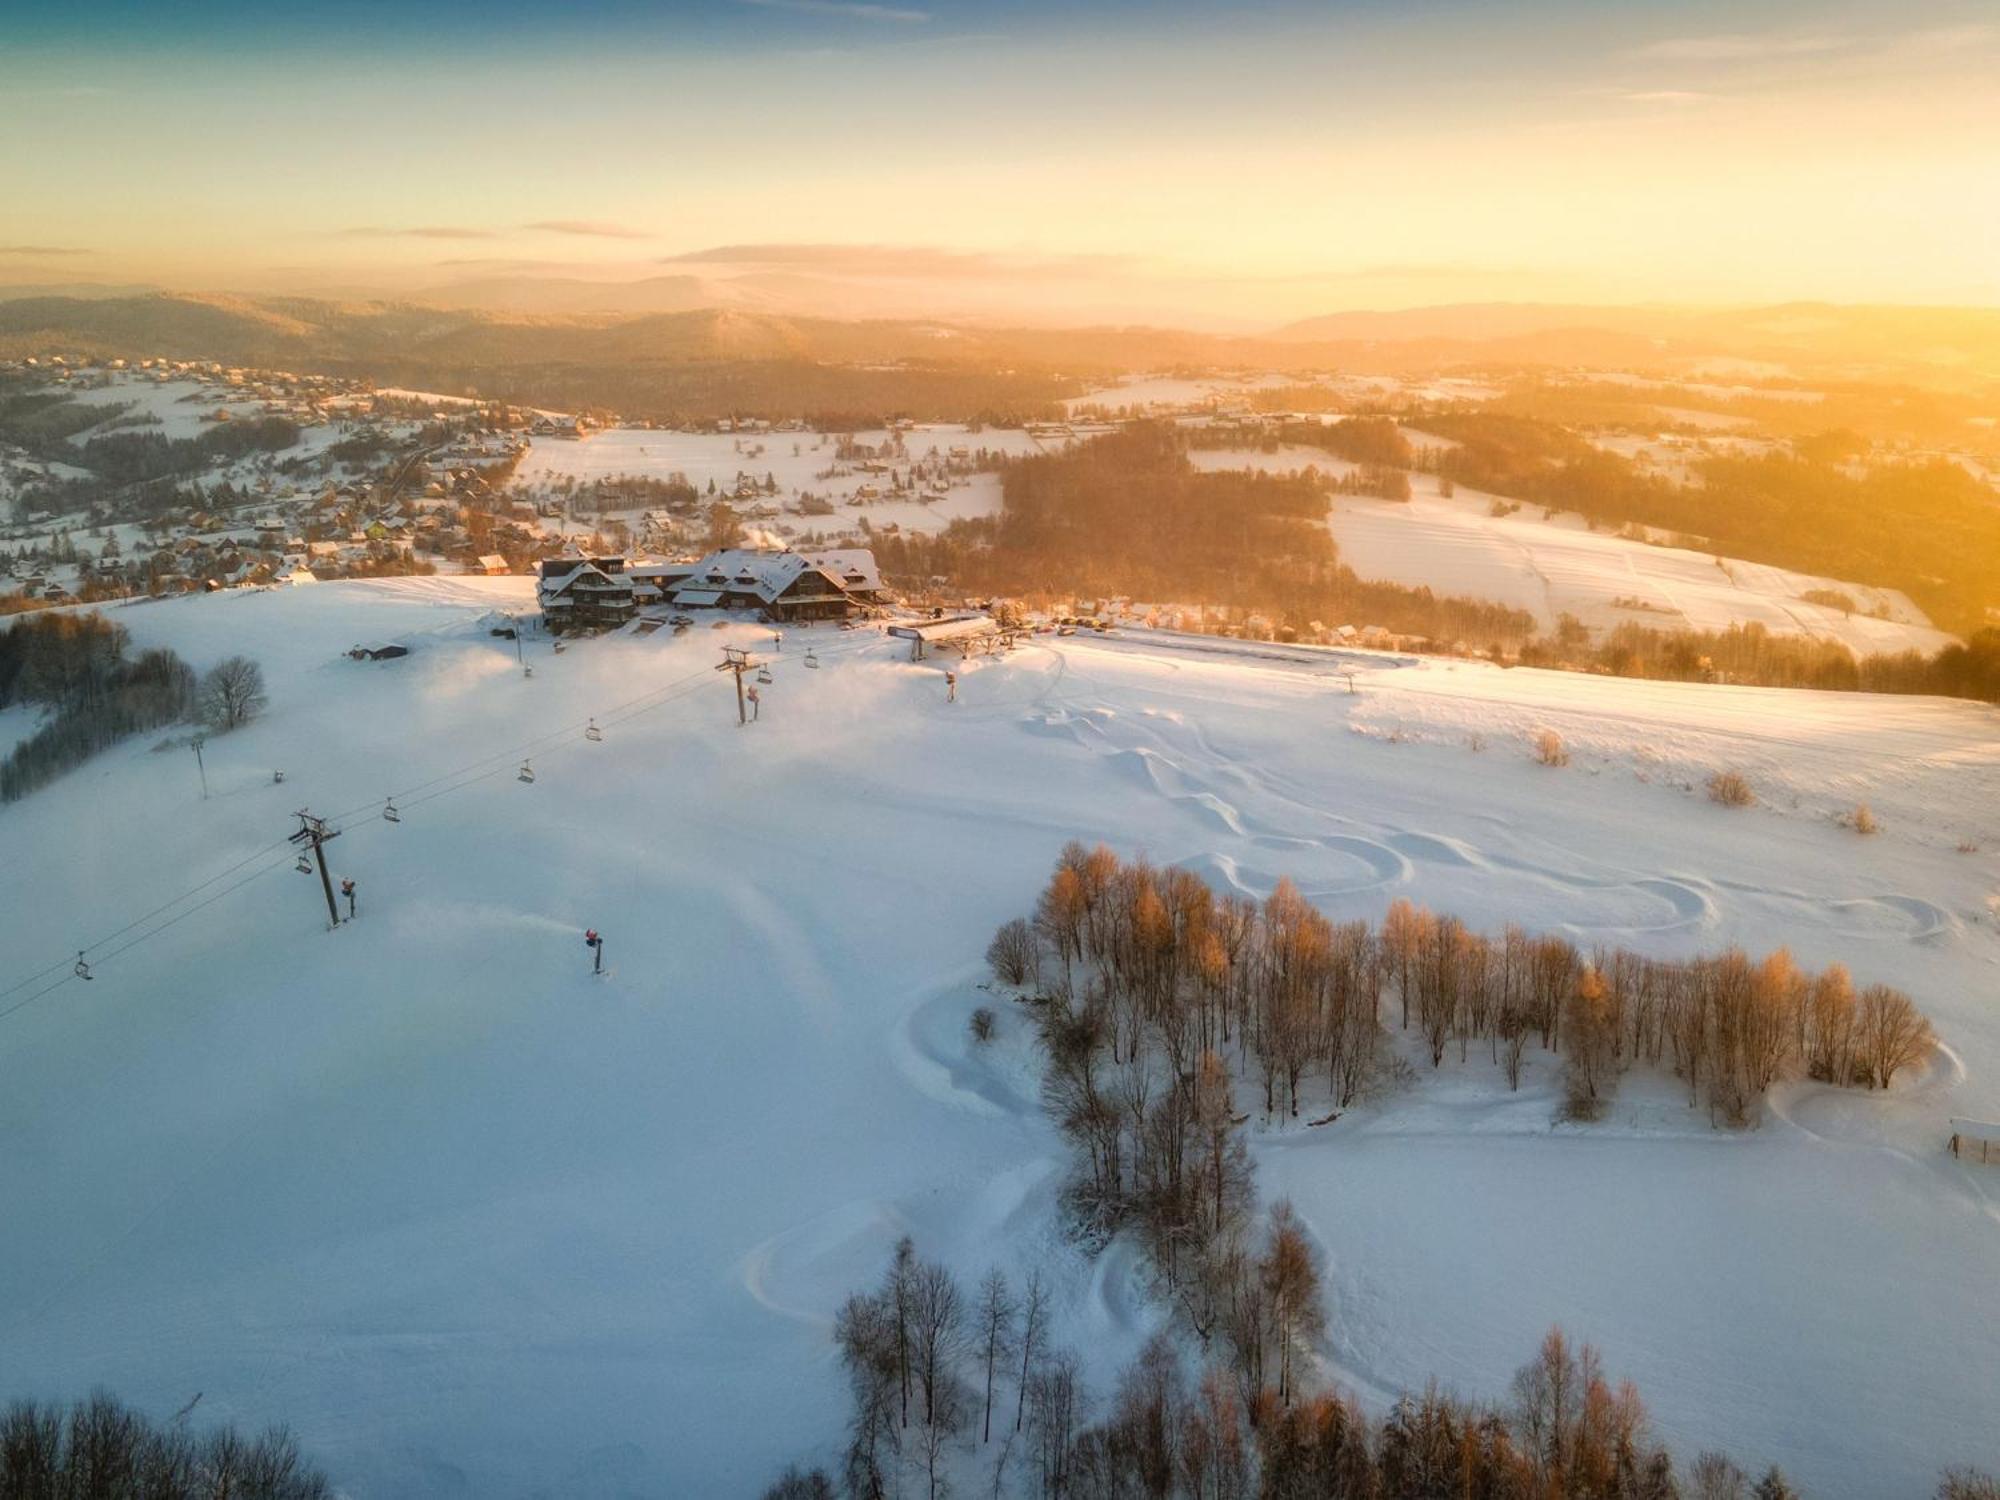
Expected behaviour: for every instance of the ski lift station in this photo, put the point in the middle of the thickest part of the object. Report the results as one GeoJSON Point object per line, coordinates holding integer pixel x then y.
{"type": "Point", "coordinates": [964, 634]}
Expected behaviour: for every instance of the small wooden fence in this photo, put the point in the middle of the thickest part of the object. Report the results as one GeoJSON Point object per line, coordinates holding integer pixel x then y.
{"type": "Point", "coordinates": [1976, 1140]}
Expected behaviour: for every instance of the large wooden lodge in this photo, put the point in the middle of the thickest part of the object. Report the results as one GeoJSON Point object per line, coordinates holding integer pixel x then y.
{"type": "Point", "coordinates": [601, 593]}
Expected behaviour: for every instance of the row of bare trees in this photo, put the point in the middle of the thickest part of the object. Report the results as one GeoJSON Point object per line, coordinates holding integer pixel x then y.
{"type": "Point", "coordinates": [929, 1367]}
{"type": "Point", "coordinates": [936, 1374]}
{"type": "Point", "coordinates": [101, 1449]}
{"type": "Point", "coordinates": [1728, 1025]}
{"type": "Point", "coordinates": [1140, 962]}
{"type": "Point", "coordinates": [1170, 1432]}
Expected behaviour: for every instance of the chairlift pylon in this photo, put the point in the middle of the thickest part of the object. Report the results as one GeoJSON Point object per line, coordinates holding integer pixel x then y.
{"type": "Point", "coordinates": [389, 813]}
{"type": "Point", "coordinates": [527, 772]}
{"type": "Point", "coordinates": [592, 732]}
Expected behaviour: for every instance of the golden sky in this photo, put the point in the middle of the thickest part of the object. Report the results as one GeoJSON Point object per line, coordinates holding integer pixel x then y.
{"type": "Point", "coordinates": [1240, 164]}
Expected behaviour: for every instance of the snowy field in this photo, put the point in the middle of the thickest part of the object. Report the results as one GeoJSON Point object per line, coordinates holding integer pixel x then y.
{"type": "Point", "coordinates": [796, 461]}
{"type": "Point", "coordinates": [478, 1224]}
{"type": "Point", "coordinates": [1140, 394]}
{"type": "Point", "coordinates": [1551, 567]}
{"type": "Point", "coordinates": [183, 408]}
{"type": "Point", "coordinates": [1143, 394]}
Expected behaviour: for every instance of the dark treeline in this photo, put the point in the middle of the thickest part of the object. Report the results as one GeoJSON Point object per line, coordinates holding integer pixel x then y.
{"type": "Point", "coordinates": [1127, 514]}
{"type": "Point", "coordinates": [41, 420]}
{"type": "Point", "coordinates": [76, 666]}
{"type": "Point", "coordinates": [829, 395]}
{"type": "Point", "coordinates": [129, 457]}
{"type": "Point", "coordinates": [99, 1449]}
{"type": "Point", "coordinates": [944, 1384]}
{"type": "Point", "coordinates": [1168, 519]}
{"type": "Point", "coordinates": [1360, 440]}
{"type": "Point", "coordinates": [1858, 412]}
{"type": "Point", "coordinates": [1928, 528]}
{"type": "Point", "coordinates": [1751, 654]}
{"type": "Point", "coordinates": [1378, 480]}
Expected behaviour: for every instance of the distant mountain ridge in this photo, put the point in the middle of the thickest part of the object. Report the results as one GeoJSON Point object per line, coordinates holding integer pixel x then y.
{"type": "Point", "coordinates": [1946, 347]}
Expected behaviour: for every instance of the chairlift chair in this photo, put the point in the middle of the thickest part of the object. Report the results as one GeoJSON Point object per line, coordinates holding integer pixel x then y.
{"type": "Point", "coordinates": [812, 661]}
{"type": "Point", "coordinates": [764, 675]}
{"type": "Point", "coordinates": [527, 772]}
{"type": "Point", "coordinates": [592, 732]}
{"type": "Point", "coordinates": [82, 969]}
{"type": "Point", "coordinates": [304, 866]}
{"type": "Point", "coordinates": [389, 813]}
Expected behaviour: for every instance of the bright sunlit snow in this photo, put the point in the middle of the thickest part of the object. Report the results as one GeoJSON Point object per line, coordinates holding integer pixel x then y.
{"type": "Point", "coordinates": [475, 1222]}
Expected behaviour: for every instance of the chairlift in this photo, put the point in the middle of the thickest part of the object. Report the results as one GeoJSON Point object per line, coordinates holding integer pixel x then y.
{"type": "Point", "coordinates": [389, 813]}
{"type": "Point", "coordinates": [82, 969]}
{"type": "Point", "coordinates": [592, 732]}
{"type": "Point", "coordinates": [559, 648]}
{"type": "Point", "coordinates": [764, 675]}
{"type": "Point", "coordinates": [527, 772]}
{"type": "Point", "coordinates": [812, 660]}
{"type": "Point", "coordinates": [527, 671]}
{"type": "Point", "coordinates": [304, 866]}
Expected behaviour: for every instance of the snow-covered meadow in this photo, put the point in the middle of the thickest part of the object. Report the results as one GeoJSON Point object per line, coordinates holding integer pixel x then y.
{"type": "Point", "coordinates": [476, 1223]}
{"type": "Point", "coordinates": [1557, 565]}
{"type": "Point", "coordinates": [795, 461]}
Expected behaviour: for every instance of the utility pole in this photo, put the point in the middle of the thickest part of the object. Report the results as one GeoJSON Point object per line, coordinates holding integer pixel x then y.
{"type": "Point", "coordinates": [200, 766]}
{"type": "Point", "coordinates": [737, 660]}
{"type": "Point", "coordinates": [314, 832]}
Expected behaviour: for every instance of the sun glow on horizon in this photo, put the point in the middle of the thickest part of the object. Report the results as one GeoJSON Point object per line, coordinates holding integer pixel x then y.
{"type": "Point", "coordinates": [1239, 171]}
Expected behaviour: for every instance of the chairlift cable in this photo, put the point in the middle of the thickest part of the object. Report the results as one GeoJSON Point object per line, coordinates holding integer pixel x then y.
{"type": "Point", "coordinates": [139, 938]}
{"type": "Point", "coordinates": [496, 764]}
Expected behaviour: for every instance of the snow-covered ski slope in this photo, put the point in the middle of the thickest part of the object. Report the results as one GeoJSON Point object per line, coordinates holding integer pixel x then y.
{"type": "Point", "coordinates": [476, 1223]}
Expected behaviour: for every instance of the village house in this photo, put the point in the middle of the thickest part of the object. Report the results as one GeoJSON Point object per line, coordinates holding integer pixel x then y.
{"type": "Point", "coordinates": [585, 593]}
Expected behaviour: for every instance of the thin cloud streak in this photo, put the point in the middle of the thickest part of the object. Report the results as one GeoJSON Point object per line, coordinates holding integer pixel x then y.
{"type": "Point", "coordinates": [588, 228]}
{"type": "Point", "coordinates": [904, 260]}
{"type": "Point", "coordinates": [43, 252]}
{"type": "Point", "coordinates": [419, 232]}
{"type": "Point", "coordinates": [852, 12]}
